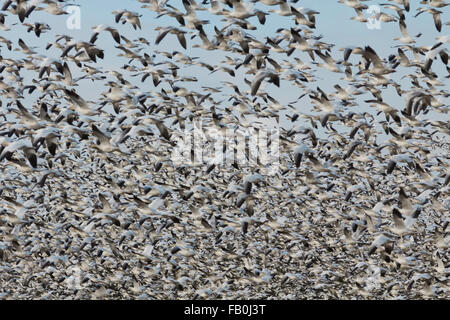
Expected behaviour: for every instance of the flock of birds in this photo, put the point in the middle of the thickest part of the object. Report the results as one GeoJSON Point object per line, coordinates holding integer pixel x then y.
{"type": "Point", "coordinates": [93, 206]}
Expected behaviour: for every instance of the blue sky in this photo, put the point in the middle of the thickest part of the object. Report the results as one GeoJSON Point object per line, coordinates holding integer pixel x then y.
{"type": "Point", "coordinates": [333, 23]}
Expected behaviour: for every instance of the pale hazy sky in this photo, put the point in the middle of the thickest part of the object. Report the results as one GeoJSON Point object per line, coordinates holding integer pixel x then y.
{"type": "Point", "coordinates": [333, 23]}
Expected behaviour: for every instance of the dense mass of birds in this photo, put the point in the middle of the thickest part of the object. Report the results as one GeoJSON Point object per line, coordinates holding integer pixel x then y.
{"type": "Point", "coordinates": [92, 204]}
